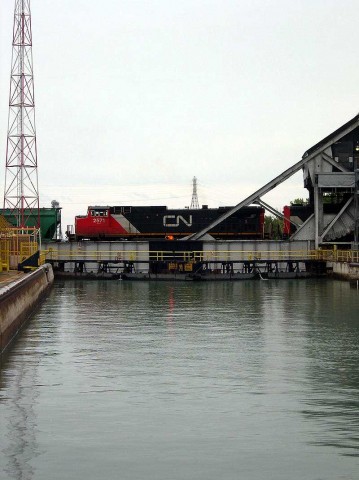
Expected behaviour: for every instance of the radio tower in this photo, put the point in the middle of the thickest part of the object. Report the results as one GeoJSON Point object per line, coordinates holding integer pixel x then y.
{"type": "Point", "coordinates": [194, 202]}
{"type": "Point", "coordinates": [21, 195]}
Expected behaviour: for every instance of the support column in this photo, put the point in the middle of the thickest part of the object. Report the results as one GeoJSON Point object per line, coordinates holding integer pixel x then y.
{"type": "Point", "coordinates": [356, 204]}
{"type": "Point", "coordinates": [318, 215]}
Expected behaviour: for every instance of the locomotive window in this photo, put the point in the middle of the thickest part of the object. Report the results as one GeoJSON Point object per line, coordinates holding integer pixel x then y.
{"type": "Point", "coordinates": [99, 213]}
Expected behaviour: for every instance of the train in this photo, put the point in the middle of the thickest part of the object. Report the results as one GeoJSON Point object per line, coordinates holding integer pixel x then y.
{"type": "Point", "coordinates": [296, 213]}
{"type": "Point", "coordinates": [161, 222]}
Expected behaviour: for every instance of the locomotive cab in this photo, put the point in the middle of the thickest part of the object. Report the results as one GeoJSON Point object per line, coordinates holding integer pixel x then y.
{"type": "Point", "coordinates": [94, 225]}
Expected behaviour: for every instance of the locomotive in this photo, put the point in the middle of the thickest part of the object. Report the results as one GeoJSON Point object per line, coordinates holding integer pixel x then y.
{"type": "Point", "coordinates": [160, 222]}
{"type": "Point", "coordinates": [297, 213]}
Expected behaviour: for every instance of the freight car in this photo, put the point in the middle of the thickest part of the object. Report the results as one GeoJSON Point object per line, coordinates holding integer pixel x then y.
{"type": "Point", "coordinates": [156, 222]}
{"type": "Point", "coordinates": [50, 221]}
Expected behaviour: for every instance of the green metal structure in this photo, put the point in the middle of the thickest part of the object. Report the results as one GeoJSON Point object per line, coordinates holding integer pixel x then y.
{"type": "Point", "coordinates": [50, 222]}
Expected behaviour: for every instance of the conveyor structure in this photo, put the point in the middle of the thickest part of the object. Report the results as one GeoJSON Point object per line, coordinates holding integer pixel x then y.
{"type": "Point", "coordinates": [331, 173]}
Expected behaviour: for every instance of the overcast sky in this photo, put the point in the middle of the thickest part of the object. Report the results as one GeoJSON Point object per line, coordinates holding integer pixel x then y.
{"type": "Point", "coordinates": [135, 97]}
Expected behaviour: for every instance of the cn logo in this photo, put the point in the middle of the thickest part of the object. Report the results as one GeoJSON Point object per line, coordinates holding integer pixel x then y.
{"type": "Point", "coordinates": [174, 220]}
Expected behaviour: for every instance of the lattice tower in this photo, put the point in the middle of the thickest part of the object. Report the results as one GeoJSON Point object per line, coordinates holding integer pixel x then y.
{"type": "Point", "coordinates": [194, 202]}
{"type": "Point", "coordinates": [21, 195]}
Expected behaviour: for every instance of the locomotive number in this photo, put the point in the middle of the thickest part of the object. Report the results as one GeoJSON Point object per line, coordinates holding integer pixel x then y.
{"type": "Point", "coordinates": [174, 220]}
{"type": "Point", "coordinates": [98, 220]}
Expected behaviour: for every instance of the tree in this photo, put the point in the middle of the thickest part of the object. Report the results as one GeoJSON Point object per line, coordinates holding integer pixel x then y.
{"type": "Point", "coordinates": [299, 201]}
{"type": "Point", "coordinates": [273, 227]}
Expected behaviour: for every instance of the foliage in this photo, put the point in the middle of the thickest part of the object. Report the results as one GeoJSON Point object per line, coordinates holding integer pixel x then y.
{"type": "Point", "coordinates": [334, 197]}
{"type": "Point", "coordinates": [273, 227]}
{"type": "Point", "coordinates": [299, 201]}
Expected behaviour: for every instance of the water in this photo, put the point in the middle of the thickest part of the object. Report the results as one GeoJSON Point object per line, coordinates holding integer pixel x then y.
{"type": "Point", "coordinates": [132, 381]}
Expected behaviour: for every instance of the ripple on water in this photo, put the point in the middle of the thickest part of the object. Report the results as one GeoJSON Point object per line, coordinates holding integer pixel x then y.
{"type": "Point", "coordinates": [227, 380]}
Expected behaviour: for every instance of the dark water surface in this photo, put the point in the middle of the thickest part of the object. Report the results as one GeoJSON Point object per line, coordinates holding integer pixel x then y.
{"type": "Point", "coordinates": [141, 381]}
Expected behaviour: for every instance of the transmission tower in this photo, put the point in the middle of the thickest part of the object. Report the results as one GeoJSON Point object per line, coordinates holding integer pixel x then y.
{"type": "Point", "coordinates": [194, 202]}
{"type": "Point", "coordinates": [21, 195]}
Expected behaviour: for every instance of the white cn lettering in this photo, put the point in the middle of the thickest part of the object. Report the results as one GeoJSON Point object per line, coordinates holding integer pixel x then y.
{"type": "Point", "coordinates": [174, 220]}
{"type": "Point", "coordinates": [189, 223]}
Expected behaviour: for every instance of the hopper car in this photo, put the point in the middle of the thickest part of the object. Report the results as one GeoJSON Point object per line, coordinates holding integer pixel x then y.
{"type": "Point", "coordinates": [50, 221]}
{"type": "Point", "coordinates": [161, 222]}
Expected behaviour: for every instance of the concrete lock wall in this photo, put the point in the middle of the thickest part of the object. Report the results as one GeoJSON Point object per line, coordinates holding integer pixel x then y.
{"type": "Point", "coordinates": [19, 299]}
{"type": "Point", "coordinates": [344, 271]}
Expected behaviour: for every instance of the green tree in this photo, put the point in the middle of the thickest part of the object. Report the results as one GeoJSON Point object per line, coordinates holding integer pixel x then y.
{"type": "Point", "coordinates": [273, 227]}
{"type": "Point", "coordinates": [299, 201]}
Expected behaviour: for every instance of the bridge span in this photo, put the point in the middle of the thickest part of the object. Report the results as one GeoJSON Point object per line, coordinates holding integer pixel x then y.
{"type": "Point", "coordinates": [192, 260]}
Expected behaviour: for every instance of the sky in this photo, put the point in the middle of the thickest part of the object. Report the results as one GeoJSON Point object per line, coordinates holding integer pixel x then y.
{"type": "Point", "coordinates": [136, 97]}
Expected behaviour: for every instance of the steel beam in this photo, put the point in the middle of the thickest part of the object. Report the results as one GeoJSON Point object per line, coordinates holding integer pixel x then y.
{"type": "Point", "coordinates": [331, 224]}
{"type": "Point", "coordinates": [275, 212]}
{"type": "Point", "coordinates": [275, 182]}
{"type": "Point", "coordinates": [332, 162]}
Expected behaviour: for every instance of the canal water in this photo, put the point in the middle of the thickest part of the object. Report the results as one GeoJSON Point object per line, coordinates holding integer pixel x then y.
{"type": "Point", "coordinates": [159, 381]}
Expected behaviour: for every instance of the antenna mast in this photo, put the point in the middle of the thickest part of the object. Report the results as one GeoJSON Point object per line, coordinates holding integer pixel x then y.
{"type": "Point", "coordinates": [21, 195]}
{"type": "Point", "coordinates": [194, 202]}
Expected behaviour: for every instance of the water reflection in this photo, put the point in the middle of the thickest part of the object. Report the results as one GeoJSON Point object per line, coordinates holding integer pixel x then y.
{"type": "Point", "coordinates": [332, 393]}
{"type": "Point", "coordinates": [194, 375]}
{"type": "Point", "coordinates": [21, 384]}
{"type": "Point", "coordinates": [18, 422]}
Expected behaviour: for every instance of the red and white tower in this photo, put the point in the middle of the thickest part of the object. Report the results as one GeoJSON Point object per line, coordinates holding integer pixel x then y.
{"type": "Point", "coordinates": [21, 195]}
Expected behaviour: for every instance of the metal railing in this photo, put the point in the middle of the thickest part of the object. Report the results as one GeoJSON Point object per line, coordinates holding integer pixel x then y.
{"type": "Point", "coordinates": [16, 245]}
{"type": "Point", "coordinates": [4, 255]}
{"type": "Point", "coordinates": [331, 255]}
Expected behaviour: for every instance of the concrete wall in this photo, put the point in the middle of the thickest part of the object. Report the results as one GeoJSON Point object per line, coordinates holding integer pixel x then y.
{"type": "Point", "coordinates": [18, 300]}
{"type": "Point", "coordinates": [345, 271]}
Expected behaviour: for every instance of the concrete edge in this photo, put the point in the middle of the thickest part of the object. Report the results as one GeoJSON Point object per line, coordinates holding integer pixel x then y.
{"type": "Point", "coordinates": [19, 300]}
{"type": "Point", "coordinates": [344, 271]}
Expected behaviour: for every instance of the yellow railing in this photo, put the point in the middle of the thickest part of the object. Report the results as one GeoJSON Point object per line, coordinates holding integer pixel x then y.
{"type": "Point", "coordinates": [195, 256]}
{"type": "Point", "coordinates": [42, 257]}
{"type": "Point", "coordinates": [16, 245]}
{"type": "Point", "coordinates": [4, 255]}
{"type": "Point", "coordinates": [27, 249]}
